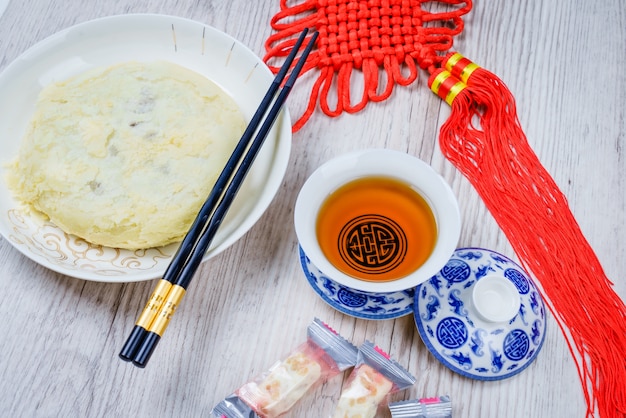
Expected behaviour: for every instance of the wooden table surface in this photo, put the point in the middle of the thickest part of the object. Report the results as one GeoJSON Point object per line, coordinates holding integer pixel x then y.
{"type": "Point", "coordinates": [565, 63]}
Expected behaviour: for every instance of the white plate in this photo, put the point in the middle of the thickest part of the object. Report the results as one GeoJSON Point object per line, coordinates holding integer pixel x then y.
{"type": "Point", "coordinates": [104, 42]}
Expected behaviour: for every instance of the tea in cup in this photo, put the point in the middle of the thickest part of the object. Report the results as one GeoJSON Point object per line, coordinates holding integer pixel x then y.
{"type": "Point", "coordinates": [377, 220]}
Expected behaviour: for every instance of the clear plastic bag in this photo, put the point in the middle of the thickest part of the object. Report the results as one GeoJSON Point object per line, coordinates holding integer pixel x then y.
{"type": "Point", "coordinates": [369, 385]}
{"type": "Point", "coordinates": [324, 355]}
{"type": "Point", "coordinates": [439, 407]}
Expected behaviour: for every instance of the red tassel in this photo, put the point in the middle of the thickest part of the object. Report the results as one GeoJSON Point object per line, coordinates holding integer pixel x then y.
{"type": "Point", "coordinates": [484, 140]}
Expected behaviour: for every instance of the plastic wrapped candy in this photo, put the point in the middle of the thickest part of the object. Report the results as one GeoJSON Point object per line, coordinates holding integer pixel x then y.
{"type": "Point", "coordinates": [439, 407]}
{"type": "Point", "coordinates": [325, 354]}
{"type": "Point", "coordinates": [368, 387]}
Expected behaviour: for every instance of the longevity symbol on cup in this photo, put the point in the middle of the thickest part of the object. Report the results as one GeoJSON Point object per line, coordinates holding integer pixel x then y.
{"type": "Point", "coordinates": [372, 244]}
{"type": "Point", "coordinates": [376, 228]}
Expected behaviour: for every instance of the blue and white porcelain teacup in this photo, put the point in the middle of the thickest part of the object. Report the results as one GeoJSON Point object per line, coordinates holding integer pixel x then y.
{"type": "Point", "coordinates": [347, 293]}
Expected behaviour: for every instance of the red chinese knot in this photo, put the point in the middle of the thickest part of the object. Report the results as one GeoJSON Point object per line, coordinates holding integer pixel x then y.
{"type": "Point", "coordinates": [392, 38]}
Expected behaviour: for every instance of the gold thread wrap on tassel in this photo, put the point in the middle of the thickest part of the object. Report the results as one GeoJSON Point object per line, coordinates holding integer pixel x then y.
{"type": "Point", "coordinates": [459, 66]}
{"type": "Point", "coordinates": [445, 85]}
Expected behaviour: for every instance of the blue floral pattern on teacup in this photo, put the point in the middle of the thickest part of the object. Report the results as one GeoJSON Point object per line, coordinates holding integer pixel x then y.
{"type": "Point", "coordinates": [366, 305]}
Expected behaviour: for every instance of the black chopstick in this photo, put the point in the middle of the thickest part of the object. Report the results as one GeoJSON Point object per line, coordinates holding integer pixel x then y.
{"type": "Point", "coordinates": [171, 288]}
{"type": "Point", "coordinates": [155, 301]}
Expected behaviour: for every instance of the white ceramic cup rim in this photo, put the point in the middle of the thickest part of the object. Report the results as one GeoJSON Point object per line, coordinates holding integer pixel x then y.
{"type": "Point", "coordinates": [378, 162]}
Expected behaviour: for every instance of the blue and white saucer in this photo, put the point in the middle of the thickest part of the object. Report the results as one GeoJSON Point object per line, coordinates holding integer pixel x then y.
{"type": "Point", "coordinates": [365, 305]}
{"type": "Point", "coordinates": [481, 315]}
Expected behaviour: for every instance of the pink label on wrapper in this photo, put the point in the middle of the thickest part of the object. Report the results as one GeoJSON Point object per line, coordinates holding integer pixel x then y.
{"type": "Point", "coordinates": [426, 401]}
{"type": "Point", "coordinates": [329, 328]}
{"type": "Point", "coordinates": [382, 352]}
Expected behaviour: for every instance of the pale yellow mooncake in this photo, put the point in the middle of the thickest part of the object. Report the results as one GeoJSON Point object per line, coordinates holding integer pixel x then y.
{"type": "Point", "coordinates": [124, 156]}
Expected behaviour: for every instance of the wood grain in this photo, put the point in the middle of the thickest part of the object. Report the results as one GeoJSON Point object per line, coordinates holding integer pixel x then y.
{"type": "Point", "coordinates": [563, 60]}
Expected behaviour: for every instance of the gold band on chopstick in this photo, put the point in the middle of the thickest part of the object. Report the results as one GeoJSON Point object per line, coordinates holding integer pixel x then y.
{"type": "Point", "coordinates": [168, 308]}
{"type": "Point", "coordinates": [154, 304]}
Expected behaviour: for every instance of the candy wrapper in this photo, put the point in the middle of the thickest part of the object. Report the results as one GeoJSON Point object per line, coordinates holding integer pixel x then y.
{"type": "Point", "coordinates": [325, 354]}
{"type": "Point", "coordinates": [368, 387]}
{"type": "Point", "coordinates": [233, 407]}
{"type": "Point", "coordinates": [439, 407]}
